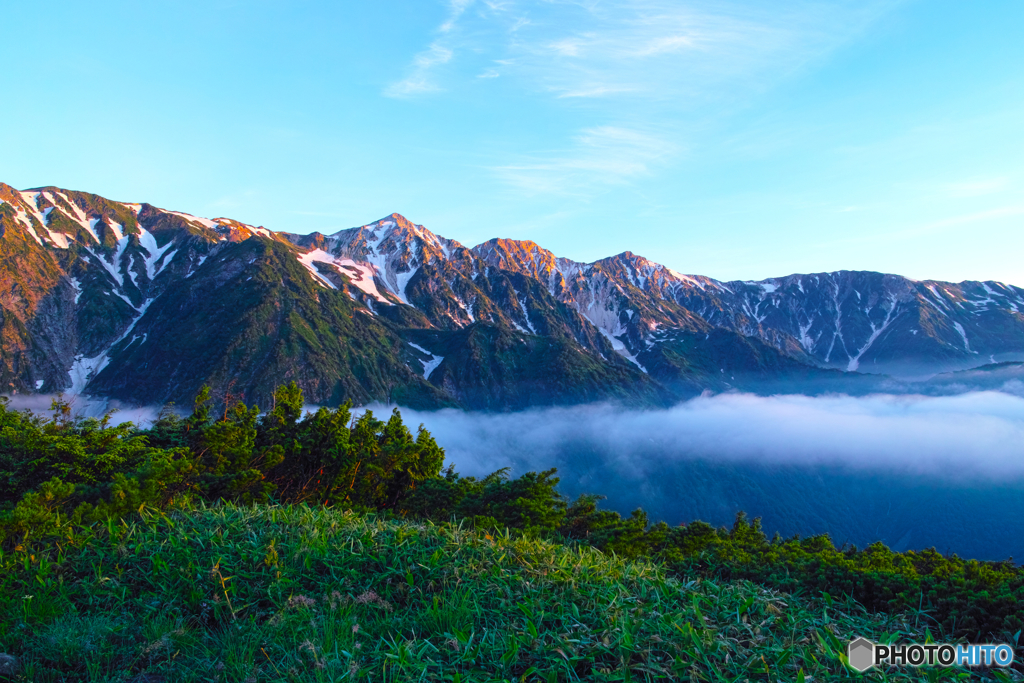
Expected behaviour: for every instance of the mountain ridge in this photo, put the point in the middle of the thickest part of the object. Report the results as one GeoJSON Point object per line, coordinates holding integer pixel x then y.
{"type": "Point", "coordinates": [143, 304]}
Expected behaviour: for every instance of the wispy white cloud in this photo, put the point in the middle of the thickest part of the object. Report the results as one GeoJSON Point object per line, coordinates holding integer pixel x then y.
{"type": "Point", "coordinates": [923, 233]}
{"type": "Point", "coordinates": [601, 155]}
{"type": "Point", "coordinates": [977, 187]}
{"type": "Point", "coordinates": [421, 78]}
{"type": "Point", "coordinates": [663, 49]}
{"type": "Point", "coordinates": [656, 49]}
{"type": "Point", "coordinates": [967, 219]}
{"type": "Point", "coordinates": [595, 91]}
{"type": "Point", "coordinates": [457, 8]}
{"type": "Point", "coordinates": [665, 44]}
{"type": "Point", "coordinates": [570, 47]}
{"type": "Point", "coordinates": [645, 62]}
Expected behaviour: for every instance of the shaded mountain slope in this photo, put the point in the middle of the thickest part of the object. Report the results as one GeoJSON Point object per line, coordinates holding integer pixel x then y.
{"type": "Point", "coordinates": [250, 318]}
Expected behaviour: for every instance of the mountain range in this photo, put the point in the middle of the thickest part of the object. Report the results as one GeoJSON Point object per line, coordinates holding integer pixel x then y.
{"type": "Point", "coordinates": [144, 305]}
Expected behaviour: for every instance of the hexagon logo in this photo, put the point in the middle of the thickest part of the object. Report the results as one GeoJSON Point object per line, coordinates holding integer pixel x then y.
{"type": "Point", "coordinates": [861, 654]}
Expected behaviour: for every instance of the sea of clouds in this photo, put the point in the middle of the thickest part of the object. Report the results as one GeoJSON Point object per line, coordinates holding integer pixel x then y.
{"type": "Point", "coordinates": [977, 435]}
{"type": "Point", "coordinates": [971, 436]}
{"type": "Point", "coordinates": [910, 470]}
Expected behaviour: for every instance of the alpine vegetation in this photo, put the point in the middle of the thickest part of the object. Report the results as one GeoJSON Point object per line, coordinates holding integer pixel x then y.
{"type": "Point", "coordinates": [234, 544]}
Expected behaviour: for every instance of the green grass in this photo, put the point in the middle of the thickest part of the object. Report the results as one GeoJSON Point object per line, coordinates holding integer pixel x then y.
{"type": "Point", "coordinates": [271, 593]}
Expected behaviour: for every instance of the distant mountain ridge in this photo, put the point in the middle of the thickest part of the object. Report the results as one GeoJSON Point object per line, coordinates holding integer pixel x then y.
{"type": "Point", "coordinates": [142, 304]}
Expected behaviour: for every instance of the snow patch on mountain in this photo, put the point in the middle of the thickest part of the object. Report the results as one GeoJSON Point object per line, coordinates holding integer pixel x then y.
{"type": "Point", "coordinates": [141, 311]}
{"type": "Point", "coordinates": [685, 278]}
{"type": "Point", "coordinates": [805, 341]}
{"type": "Point", "coordinates": [838, 330]}
{"type": "Point", "coordinates": [79, 215]}
{"type": "Point", "coordinates": [420, 349]}
{"type": "Point", "coordinates": [32, 200]}
{"type": "Point", "coordinates": [526, 315]}
{"type": "Point", "coordinates": [308, 259]}
{"type": "Point", "coordinates": [116, 228]}
{"type": "Point", "coordinates": [145, 335]}
{"type": "Point", "coordinates": [24, 217]}
{"type": "Point", "coordinates": [59, 239]}
{"type": "Point", "coordinates": [963, 335]}
{"type": "Point", "coordinates": [402, 282]}
{"type": "Point", "coordinates": [78, 288]}
{"type": "Point", "coordinates": [430, 364]}
{"type": "Point", "coordinates": [84, 369]}
{"type": "Point", "coordinates": [123, 298]}
{"type": "Point", "coordinates": [752, 311]}
{"type": "Point", "coordinates": [205, 222]}
{"type": "Point", "coordinates": [90, 227]}
{"type": "Point", "coordinates": [938, 297]}
{"type": "Point", "coordinates": [359, 275]}
{"type": "Point", "coordinates": [195, 267]}
{"type": "Point", "coordinates": [875, 333]}
{"type": "Point", "coordinates": [464, 307]}
{"type": "Point", "coordinates": [934, 305]}
{"type": "Point", "coordinates": [114, 265]}
{"type": "Point", "coordinates": [621, 349]}
{"type": "Point", "coordinates": [393, 281]}
{"type": "Point", "coordinates": [154, 253]}
{"type": "Point", "coordinates": [608, 322]}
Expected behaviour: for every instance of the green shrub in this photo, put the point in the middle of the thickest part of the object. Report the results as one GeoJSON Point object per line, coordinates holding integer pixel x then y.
{"type": "Point", "coordinates": [60, 475]}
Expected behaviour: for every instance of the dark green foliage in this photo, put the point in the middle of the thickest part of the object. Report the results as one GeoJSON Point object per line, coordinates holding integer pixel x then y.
{"type": "Point", "coordinates": [329, 458]}
{"type": "Point", "coordinates": [953, 596]}
{"type": "Point", "coordinates": [497, 368]}
{"type": "Point", "coordinates": [84, 468]}
{"type": "Point", "coordinates": [529, 503]}
{"type": "Point", "coordinates": [57, 473]}
{"type": "Point", "coordinates": [268, 320]}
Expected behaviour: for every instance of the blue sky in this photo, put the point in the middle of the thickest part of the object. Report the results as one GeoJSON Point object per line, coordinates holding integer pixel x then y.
{"type": "Point", "coordinates": [736, 140]}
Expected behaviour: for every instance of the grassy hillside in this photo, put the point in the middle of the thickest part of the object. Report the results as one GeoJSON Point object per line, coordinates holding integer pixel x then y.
{"type": "Point", "coordinates": [290, 593]}
{"type": "Point", "coordinates": [188, 549]}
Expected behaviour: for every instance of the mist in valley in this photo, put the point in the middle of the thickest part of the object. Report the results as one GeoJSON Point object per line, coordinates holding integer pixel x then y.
{"type": "Point", "coordinates": [912, 471]}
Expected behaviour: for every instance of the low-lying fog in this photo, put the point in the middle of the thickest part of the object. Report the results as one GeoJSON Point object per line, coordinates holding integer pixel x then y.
{"type": "Point", "coordinates": [913, 471]}
{"type": "Point", "coordinates": [973, 436]}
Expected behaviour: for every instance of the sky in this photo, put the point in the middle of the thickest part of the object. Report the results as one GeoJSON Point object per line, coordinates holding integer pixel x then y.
{"type": "Point", "coordinates": [737, 140]}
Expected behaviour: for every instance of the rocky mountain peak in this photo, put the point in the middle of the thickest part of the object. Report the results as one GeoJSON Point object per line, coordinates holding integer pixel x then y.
{"type": "Point", "coordinates": [91, 287]}
{"type": "Point", "coordinates": [521, 256]}
{"type": "Point", "coordinates": [9, 194]}
{"type": "Point", "coordinates": [529, 258]}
